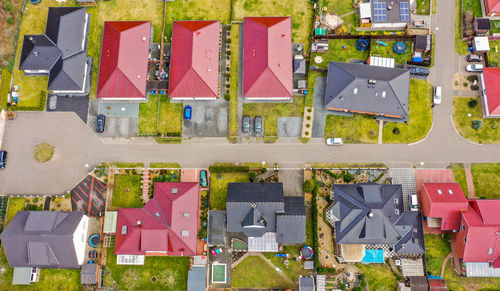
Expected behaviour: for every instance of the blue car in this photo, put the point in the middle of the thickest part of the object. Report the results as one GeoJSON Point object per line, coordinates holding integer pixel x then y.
{"type": "Point", "coordinates": [188, 112]}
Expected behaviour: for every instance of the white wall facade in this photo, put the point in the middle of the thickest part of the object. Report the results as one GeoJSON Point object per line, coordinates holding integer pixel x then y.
{"type": "Point", "coordinates": [80, 238]}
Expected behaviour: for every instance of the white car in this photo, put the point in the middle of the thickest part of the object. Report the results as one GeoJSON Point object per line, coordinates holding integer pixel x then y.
{"type": "Point", "coordinates": [474, 68]}
{"type": "Point", "coordinates": [437, 95]}
{"type": "Point", "coordinates": [413, 202]}
{"type": "Point", "coordinates": [334, 141]}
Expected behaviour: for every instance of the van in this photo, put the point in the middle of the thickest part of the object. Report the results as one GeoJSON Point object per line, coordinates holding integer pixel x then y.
{"type": "Point", "coordinates": [3, 159]}
{"type": "Point", "coordinates": [437, 95]}
{"type": "Point", "coordinates": [413, 202]}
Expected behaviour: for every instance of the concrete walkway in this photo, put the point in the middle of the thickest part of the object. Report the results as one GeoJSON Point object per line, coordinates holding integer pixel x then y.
{"type": "Point", "coordinates": [380, 131]}
{"type": "Point", "coordinates": [470, 184]}
{"type": "Point", "coordinates": [443, 267]}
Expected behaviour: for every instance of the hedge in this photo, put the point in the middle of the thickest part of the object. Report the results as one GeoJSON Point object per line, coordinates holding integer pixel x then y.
{"type": "Point", "coordinates": [4, 87]}
{"type": "Point", "coordinates": [228, 168]}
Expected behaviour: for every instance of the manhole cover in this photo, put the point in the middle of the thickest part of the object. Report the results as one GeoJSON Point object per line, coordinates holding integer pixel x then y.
{"type": "Point", "coordinates": [53, 102]}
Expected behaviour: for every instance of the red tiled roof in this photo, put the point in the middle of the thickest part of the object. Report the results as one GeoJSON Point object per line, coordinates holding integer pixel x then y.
{"type": "Point", "coordinates": [445, 200]}
{"type": "Point", "coordinates": [492, 6]}
{"type": "Point", "coordinates": [491, 80]}
{"type": "Point", "coordinates": [437, 284]}
{"type": "Point", "coordinates": [267, 57]}
{"type": "Point", "coordinates": [194, 71]}
{"type": "Point", "coordinates": [163, 221]}
{"type": "Point", "coordinates": [124, 59]}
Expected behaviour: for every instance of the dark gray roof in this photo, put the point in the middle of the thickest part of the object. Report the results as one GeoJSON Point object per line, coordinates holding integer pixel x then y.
{"type": "Point", "coordinates": [374, 214]}
{"type": "Point", "coordinates": [216, 227]}
{"type": "Point", "coordinates": [237, 212]}
{"type": "Point", "coordinates": [41, 239]}
{"type": "Point", "coordinates": [365, 88]}
{"type": "Point", "coordinates": [299, 66]}
{"type": "Point", "coordinates": [306, 284]}
{"type": "Point", "coordinates": [255, 192]}
{"type": "Point", "coordinates": [393, 14]}
{"type": "Point", "coordinates": [66, 27]}
{"type": "Point", "coordinates": [197, 279]}
{"type": "Point", "coordinates": [88, 274]}
{"type": "Point", "coordinates": [294, 205]}
{"type": "Point", "coordinates": [423, 42]}
{"type": "Point", "coordinates": [38, 53]}
{"type": "Point", "coordinates": [291, 229]}
{"type": "Point", "coordinates": [68, 74]}
{"type": "Point", "coordinates": [482, 24]}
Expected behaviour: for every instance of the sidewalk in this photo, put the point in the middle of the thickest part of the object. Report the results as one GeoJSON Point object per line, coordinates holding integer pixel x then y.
{"type": "Point", "coordinates": [470, 184]}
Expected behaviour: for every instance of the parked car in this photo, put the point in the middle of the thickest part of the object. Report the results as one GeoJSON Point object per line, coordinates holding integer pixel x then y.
{"type": "Point", "coordinates": [334, 141]}
{"type": "Point", "coordinates": [437, 95]}
{"type": "Point", "coordinates": [101, 122]}
{"type": "Point", "coordinates": [474, 68]}
{"type": "Point", "coordinates": [246, 124]}
{"type": "Point", "coordinates": [3, 159]}
{"type": "Point", "coordinates": [188, 110]}
{"type": "Point", "coordinates": [203, 178]}
{"type": "Point", "coordinates": [414, 202]}
{"type": "Point", "coordinates": [474, 58]}
{"type": "Point", "coordinates": [420, 71]}
{"type": "Point", "coordinates": [257, 125]}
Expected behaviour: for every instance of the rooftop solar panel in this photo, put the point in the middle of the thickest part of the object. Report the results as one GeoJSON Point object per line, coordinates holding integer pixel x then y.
{"type": "Point", "coordinates": [379, 12]}
{"type": "Point", "coordinates": [404, 11]}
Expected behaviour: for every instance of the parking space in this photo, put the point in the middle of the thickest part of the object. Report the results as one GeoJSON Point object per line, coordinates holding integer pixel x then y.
{"type": "Point", "coordinates": [289, 126]}
{"type": "Point", "coordinates": [209, 119]}
{"type": "Point", "coordinates": [77, 104]}
{"type": "Point", "coordinates": [293, 182]}
{"type": "Point", "coordinates": [122, 119]}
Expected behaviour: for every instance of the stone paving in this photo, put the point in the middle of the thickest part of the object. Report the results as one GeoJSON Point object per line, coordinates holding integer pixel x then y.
{"type": "Point", "coordinates": [405, 177]}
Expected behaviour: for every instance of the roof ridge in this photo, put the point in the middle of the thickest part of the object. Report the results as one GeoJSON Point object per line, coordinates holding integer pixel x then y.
{"type": "Point", "coordinates": [117, 68]}
{"type": "Point", "coordinates": [396, 95]}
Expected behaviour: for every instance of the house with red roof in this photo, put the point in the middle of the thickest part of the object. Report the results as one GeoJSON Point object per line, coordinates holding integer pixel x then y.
{"type": "Point", "coordinates": [124, 60]}
{"type": "Point", "coordinates": [442, 204]}
{"type": "Point", "coordinates": [166, 226]}
{"type": "Point", "coordinates": [490, 92]}
{"type": "Point", "coordinates": [194, 69]}
{"type": "Point", "coordinates": [491, 7]}
{"type": "Point", "coordinates": [267, 58]}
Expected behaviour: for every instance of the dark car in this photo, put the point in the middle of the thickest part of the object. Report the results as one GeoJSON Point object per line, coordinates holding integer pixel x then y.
{"type": "Point", "coordinates": [474, 58]}
{"type": "Point", "coordinates": [246, 124]}
{"type": "Point", "coordinates": [257, 125]}
{"type": "Point", "coordinates": [3, 159]}
{"type": "Point", "coordinates": [203, 178]}
{"type": "Point", "coordinates": [101, 122]}
{"type": "Point", "coordinates": [188, 111]}
{"type": "Point", "coordinates": [419, 71]}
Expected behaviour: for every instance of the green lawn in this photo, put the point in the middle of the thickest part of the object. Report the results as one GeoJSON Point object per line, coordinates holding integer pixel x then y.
{"type": "Point", "coordinates": [423, 7]}
{"type": "Point", "coordinates": [164, 165]}
{"type": "Point", "coordinates": [148, 116]}
{"type": "Point", "coordinates": [460, 46]}
{"type": "Point", "coordinates": [301, 12]}
{"type": "Point", "coordinates": [337, 53]}
{"type": "Point", "coordinates": [127, 191]}
{"type": "Point", "coordinates": [459, 283]}
{"type": "Point", "coordinates": [170, 272]}
{"type": "Point", "coordinates": [271, 111]}
{"type": "Point", "coordinates": [460, 177]}
{"type": "Point", "coordinates": [170, 119]}
{"type": "Point", "coordinates": [489, 131]}
{"type": "Point", "coordinates": [437, 248]}
{"type": "Point", "coordinates": [233, 98]}
{"type": "Point", "coordinates": [486, 179]}
{"type": "Point", "coordinates": [255, 272]}
{"type": "Point", "coordinates": [495, 26]}
{"type": "Point", "coordinates": [294, 269]}
{"type": "Point", "coordinates": [15, 205]}
{"type": "Point", "coordinates": [128, 165]}
{"type": "Point", "coordinates": [352, 129]}
{"type": "Point", "coordinates": [494, 53]}
{"type": "Point", "coordinates": [379, 277]}
{"type": "Point", "coordinates": [4, 87]}
{"type": "Point", "coordinates": [419, 117]}
{"type": "Point", "coordinates": [388, 51]}
{"type": "Point", "coordinates": [218, 188]}
{"type": "Point", "coordinates": [474, 5]}
{"type": "Point", "coordinates": [311, 82]}
{"type": "Point", "coordinates": [340, 7]}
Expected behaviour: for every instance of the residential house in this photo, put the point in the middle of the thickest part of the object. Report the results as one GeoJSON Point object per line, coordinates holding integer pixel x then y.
{"type": "Point", "coordinates": [194, 67]}
{"type": "Point", "coordinates": [267, 58]}
{"type": "Point", "coordinates": [482, 26]}
{"type": "Point", "coordinates": [60, 53]}
{"type": "Point", "coordinates": [491, 7]}
{"type": "Point", "coordinates": [357, 88]}
{"type": "Point", "coordinates": [306, 283]}
{"type": "Point", "coordinates": [166, 226]}
{"type": "Point", "coordinates": [385, 14]}
{"type": "Point", "coordinates": [370, 219]}
{"type": "Point", "coordinates": [490, 92]}
{"type": "Point", "coordinates": [124, 60]}
{"type": "Point", "coordinates": [265, 216]}
{"type": "Point", "coordinates": [442, 204]}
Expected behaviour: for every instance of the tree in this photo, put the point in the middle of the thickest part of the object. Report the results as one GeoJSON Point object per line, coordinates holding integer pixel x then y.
{"type": "Point", "coordinates": [348, 178]}
{"type": "Point", "coordinates": [476, 124]}
{"type": "Point", "coordinates": [308, 186]}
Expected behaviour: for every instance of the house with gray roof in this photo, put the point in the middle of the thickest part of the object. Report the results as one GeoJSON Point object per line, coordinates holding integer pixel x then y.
{"type": "Point", "coordinates": [46, 239]}
{"type": "Point", "coordinates": [385, 14]}
{"type": "Point", "coordinates": [265, 216]}
{"type": "Point", "coordinates": [61, 52]}
{"type": "Point", "coordinates": [358, 88]}
{"type": "Point", "coordinates": [373, 216]}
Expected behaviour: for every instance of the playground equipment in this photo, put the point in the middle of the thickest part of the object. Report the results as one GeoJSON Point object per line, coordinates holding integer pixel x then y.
{"type": "Point", "coordinates": [306, 252]}
{"type": "Point", "coordinates": [362, 44]}
{"type": "Point", "coordinates": [381, 43]}
{"type": "Point", "coordinates": [399, 48]}
{"type": "Point", "coordinates": [94, 240]}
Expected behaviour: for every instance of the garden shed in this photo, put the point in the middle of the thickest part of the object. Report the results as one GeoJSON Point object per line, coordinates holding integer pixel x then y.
{"type": "Point", "coordinates": [481, 44]}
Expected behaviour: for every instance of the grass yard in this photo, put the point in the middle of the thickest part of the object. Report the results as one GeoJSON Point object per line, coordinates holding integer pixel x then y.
{"type": "Point", "coordinates": [337, 53]}
{"type": "Point", "coordinates": [489, 131]}
{"type": "Point", "coordinates": [419, 117]}
{"type": "Point", "coordinates": [352, 129]}
{"type": "Point", "coordinates": [294, 269]}
{"type": "Point", "coordinates": [170, 119]}
{"type": "Point", "coordinates": [460, 177]}
{"type": "Point", "coordinates": [218, 188]}
{"type": "Point", "coordinates": [486, 179]}
{"type": "Point", "coordinates": [15, 205]}
{"type": "Point", "coordinates": [423, 7]}
{"type": "Point", "coordinates": [474, 5]}
{"type": "Point", "coordinates": [271, 111]}
{"type": "Point", "coordinates": [379, 276]}
{"type": "Point", "coordinates": [164, 165]}
{"type": "Point", "coordinates": [495, 26]}
{"type": "Point", "coordinates": [255, 272]}
{"type": "Point", "coordinates": [127, 191]}
{"type": "Point", "coordinates": [494, 53]}
{"type": "Point", "coordinates": [437, 248]}
{"type": "Point", "coordinates": [170, 272]}
{"type": "Point", "coordinates": [233, 96]}
{"type": "Point", "coordinates": [4, 87]}
{"type": "Point", "coordinates": [458, 283]}
{"type": "Point", "coordinates": [460, 46]}
{"type": "Point", "coordinates": [340, 7]}
{"type": "Point", "coordinates": [311, 82]}
{"type": "Point", "coordinates": [148, 116]}
{"type": "Point", "coordinates": [301, 12]}
{"type": "Point", "coordinates": [388, 51]}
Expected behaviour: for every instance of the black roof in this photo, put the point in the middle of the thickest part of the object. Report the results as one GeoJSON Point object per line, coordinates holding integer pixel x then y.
{"type": "Point", "coordinates": [38, 53]}
{"type": "Point", "coordinates": [392, 11]}
{"type": "Point", "coordinates": [482, 23]}
{"type": "Point", "coordinates": [69, 74]}
{"type": "Point", "coordinates": [216, 234]}
{"type": "Point", "coordinates": [88, 274]}
{"type": "Point", "coordinates": [359, 87]}
{"type": "Point", "coordinates": [255, 192]}
{"type": "Point", "coordinates": [66, 27]}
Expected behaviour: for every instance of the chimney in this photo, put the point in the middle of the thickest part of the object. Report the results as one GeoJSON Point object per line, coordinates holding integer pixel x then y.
{"type": "Point", "coordinates": [370, 215]}
{"type": "Point", "coordinates": [35, 53]}
{"type": "Point", "coordinates": [139, 223]}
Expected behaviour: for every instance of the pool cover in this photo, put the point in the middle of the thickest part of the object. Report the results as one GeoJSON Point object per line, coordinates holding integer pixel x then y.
{"type": "Point", "coordinates": [373, 256]}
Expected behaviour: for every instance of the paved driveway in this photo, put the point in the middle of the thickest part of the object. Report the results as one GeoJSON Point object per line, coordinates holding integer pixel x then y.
{"type": "Point", "coordinates": [293, 182]}
{"type": "Point", "coordinates": [209, 119]}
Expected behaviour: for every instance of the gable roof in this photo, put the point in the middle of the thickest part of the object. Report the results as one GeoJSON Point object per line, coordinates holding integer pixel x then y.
{"type": "Point", "coordinates": [368, 89]}
{"type": "Point", "coordinates": [124, 59]}
{"type": "Point", "coordinates": [445, 200]}
{"type": "Point", "coordinates": [369, 213]}
{"type": "Point", "coordinates": [267, 57]}
{"type": "Point", "coordinates": [42, 239]}
{"type": "Point", "coordinates": [492, 6]}
{"type": "Point", "coordinates": [194, 69]}
{"type": "Point", "coordinates": [66, 27]}
{"type": "Point", "coordinates": [38, 53]}
{"type": "Point", "coordinates": [168, 223]}
{"type": "Point", "coordinates": [491, 78]}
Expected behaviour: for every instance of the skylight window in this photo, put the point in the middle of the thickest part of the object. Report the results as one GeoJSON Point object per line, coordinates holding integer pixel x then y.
{"type": "Point", "coordinates": [185, 214]}
{"type": "Point", "coordinates": [490, 251]}
{"type": "Point", "coordinates": [185, 233]}
{"type": "Point", "coordinates": [440, 192]}
{"type": "Point", "coordinates": [450, 191]}
{"type": "Point", "coordinates": [175, 190]}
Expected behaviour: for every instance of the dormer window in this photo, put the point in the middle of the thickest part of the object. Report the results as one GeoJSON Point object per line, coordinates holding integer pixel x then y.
{"type": "Point", "coordinates": [396, 200]}
{"type": "Point", "coordinates": [490, 251]}
{"type": "Point", "coordinates": [185, 233]}
{"type": "Point", "coordinates": [396, 211]}
{"type": "Point", "coordinates": [185, 214]}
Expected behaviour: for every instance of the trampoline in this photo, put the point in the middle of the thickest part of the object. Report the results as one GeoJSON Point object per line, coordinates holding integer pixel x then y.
{"type": "Point", "coordinates": [35, 1]}
{"type": "Point", "coordinates": [399, 48]}
{"type": "Point", "coordinates": [94, 240]}
{"type": "Point", "coordinates": [306, 252]}
{"type": "Point", "coordinates": [362, 44]}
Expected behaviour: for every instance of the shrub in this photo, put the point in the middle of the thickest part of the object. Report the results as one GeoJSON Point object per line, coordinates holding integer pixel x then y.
{"type": "Point", "coordinates": [348, 178]}
{"type": "Point", "coordinates": [43, 152]}
{"type": "Point", "coordinates": [474, 87]}
{"type": "Point", "coordinates": [227, 97]}
{"type": "Point", "coordinates": [263, 170]}
{"type": "Point", "coordinates": [308, 186]}
{"type": "Point", "coordinates": [308, 125]}
{"type": "Point", "coordinates": [228, 40]}
{"type": "Point", "coordinates": [30, 207]}
{"type": "Point", "coordinates": [476, 124]}
{"type": "Point", "coordinates": [309, 118]}
{"type": "Point", "coordinates": [472, 78]}
{"type": "Point", "coordinates": [10, 20]}
{"type": "Point", "coordinates": [252, 176]}
{"type": "Point", "coordinates": [228, 75]}
{"type": "Point", "coordinates": [472, 103]}
{"type": "Point", "coordinates": [35, 200]}
{"type": "Point", "coordinates": [396, 130]}
{"type": "Point", "coordinates": [378, 178]}
{"type": "Point", "coordinates": [309, 110]}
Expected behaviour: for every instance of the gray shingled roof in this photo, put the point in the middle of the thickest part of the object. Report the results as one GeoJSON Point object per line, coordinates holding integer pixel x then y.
{"type": "Point", "coordinates": [255, 192]}
{"type": "Point", "coordinates": [38, 53]}
{"type": "Point", "coordinates": [197, 279]}
{"type": "Point", "coordinates": [348, 88]}
{"type": "Point", "coordinates": [374, 214]}
{"type": "Point", "coordinates": [41, 239]}
{"type": "Point", "coordinates": [68, 74]}
{"type": "Point", "coordinates": [306, 284]}
{"type": "Point", "coordinates": [66, 27]}
{"type": "Point", "coordinates": [393, 14]}
{"type": "Point", "coordinates": [88, 274]}
{"type": "Point", "coordinates": [216, 227]}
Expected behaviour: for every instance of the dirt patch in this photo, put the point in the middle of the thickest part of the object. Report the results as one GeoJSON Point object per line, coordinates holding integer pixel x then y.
{"type": "Point", "coordinates": [9, 18]}
{"type": "Point", "coordinates": [460, 82]}
{"type": "Point", "coordinates": [325, 237]}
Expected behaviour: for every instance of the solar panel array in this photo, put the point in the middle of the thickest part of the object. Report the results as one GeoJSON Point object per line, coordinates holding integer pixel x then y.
{"type": "Point", "coordinates": [379, 12]}
{"type": "Point", "coordinates": [404, 11]}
